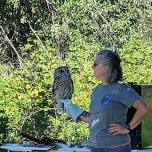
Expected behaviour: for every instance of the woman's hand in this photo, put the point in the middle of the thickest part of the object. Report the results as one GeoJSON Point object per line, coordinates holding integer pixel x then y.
{"type": "Point", "coordinates": [116, 129]}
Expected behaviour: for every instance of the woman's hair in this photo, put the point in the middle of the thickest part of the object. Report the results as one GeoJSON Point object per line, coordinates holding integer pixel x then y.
{"type": "Point", "coordinates": [112, 60]}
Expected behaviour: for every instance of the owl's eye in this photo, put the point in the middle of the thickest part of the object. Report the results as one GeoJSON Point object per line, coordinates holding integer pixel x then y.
{"type": "Point", "coordinates": [62, 71]}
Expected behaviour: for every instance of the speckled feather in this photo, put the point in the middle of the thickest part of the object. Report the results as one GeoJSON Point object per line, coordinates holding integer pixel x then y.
{"type": "Point", "coordinates": [62, 87]}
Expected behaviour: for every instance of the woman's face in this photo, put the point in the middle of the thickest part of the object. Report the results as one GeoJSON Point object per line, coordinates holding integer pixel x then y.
{"type": "Point", "coordinates": [100, 70]}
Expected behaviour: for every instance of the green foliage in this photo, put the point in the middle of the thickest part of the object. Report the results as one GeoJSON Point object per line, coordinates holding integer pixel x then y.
{"type": "Point", "coordinates": [27, 100]}
{"type": "Point", "coordinates": [137, 57]}
{"type": "Point", "coordinates": [148, 120]}
{"type": "Point", "coordinates": [48, 34]}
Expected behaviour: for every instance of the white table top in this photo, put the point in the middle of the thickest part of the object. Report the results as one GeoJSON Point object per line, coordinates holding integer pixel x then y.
{"type": "Point", "coordinates": [20, 147]}
{"type": "Point", "coordinates": [64, 148]}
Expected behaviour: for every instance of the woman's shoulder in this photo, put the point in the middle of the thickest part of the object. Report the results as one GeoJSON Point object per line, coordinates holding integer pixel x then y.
{"type": "Point", "coordinates": [123, 85]}
{"type": "Point", "coordinates": [97, 86]}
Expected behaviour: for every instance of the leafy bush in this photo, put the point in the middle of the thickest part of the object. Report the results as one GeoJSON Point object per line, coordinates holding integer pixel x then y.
{"type": "Point", "coordinates": [38, 36]}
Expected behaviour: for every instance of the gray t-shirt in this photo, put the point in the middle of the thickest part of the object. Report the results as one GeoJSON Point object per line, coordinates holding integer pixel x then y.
{"type": "Point", "coordinates": [109, 104]}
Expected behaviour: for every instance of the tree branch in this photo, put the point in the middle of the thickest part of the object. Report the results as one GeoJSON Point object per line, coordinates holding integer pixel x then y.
{"type": "Point", "coordinates": [13, 47]}
{"type": "Point", "coordinates": [37, 36]}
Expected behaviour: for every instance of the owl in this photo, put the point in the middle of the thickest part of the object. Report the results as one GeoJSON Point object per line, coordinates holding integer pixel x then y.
{"type": "Point", "coordinates": [62, 87]}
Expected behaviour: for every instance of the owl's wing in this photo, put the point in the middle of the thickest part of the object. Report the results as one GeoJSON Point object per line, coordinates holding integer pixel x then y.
{"type": "Point", "coordinates": [68, 89]}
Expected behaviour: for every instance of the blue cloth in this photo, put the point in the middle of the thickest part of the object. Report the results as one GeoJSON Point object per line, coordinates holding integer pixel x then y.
{"type": "Point", "coordinates": [117, 149]}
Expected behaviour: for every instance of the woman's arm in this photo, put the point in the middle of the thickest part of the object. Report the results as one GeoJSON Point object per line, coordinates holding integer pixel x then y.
{"type": "Point", "coordinates": [141, 110]}
{"type": "Point", "coordinates": [85, 116]}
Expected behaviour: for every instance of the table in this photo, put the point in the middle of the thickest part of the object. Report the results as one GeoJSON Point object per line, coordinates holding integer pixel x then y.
{"type": "Point", "coordinates": [20, 147]}
{"type": "Point", "coordinates": [63, 148]}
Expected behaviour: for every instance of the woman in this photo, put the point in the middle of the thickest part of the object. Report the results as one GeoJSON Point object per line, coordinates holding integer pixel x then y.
{"type": "Point", "coordinates": [110, 101]}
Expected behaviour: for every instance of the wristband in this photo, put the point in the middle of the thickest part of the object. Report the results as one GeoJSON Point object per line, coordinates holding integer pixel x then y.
{"type": "Point", "coordinates": [128, 127]}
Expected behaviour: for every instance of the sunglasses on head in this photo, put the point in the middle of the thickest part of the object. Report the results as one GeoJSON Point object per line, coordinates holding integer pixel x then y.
{"type": "Point", "coordinates": [95, 64]}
